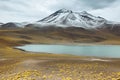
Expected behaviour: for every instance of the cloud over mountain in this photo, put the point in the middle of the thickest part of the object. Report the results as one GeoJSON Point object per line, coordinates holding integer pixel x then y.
{"type": "Point", "coordinates": [32, 10]}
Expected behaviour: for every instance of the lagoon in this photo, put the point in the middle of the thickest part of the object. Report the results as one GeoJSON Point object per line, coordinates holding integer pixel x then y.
{"type": "Point", "coordinates": [110, 51]}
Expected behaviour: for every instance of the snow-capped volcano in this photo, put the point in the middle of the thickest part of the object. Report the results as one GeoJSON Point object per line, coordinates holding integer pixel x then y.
{"type": "Point", "coordinates": [67, 18]}
{"type": "Point", "coordinates": [70, 18]}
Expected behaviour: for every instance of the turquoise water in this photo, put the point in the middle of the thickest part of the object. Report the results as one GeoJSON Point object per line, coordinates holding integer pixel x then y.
{"type": "Point", "coordinates": [112, 51]}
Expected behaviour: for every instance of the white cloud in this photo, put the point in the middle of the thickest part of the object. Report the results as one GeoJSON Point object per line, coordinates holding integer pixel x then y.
{"type": "Point", "coordinates": [111, 12]}
{"type": "Point", "coordinates": [33, 10]}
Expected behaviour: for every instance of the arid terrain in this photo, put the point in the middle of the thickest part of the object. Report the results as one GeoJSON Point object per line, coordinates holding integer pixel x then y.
{"type": "Point", "coordinates": [20, 65]}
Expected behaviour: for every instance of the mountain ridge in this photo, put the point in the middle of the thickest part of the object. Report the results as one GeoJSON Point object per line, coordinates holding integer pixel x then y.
{"type": "Point", "coordinates": [67, 18]}
{"type": "Point", "coordinates": [70, 18]}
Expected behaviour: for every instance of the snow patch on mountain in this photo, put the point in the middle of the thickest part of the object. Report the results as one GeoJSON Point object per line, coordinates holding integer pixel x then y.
{"type": "Point", "coordinates": [70, 18]}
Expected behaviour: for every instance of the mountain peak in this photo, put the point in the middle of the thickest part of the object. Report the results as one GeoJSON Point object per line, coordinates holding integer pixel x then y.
{"type": "Point", "coordinates": [84, 12]}
{"type": "Point", "coordinates": [70, 18]}
{"type": "Point", "coordinates": [64, 11]}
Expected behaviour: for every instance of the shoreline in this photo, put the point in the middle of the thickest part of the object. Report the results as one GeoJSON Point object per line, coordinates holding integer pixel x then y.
{"type": "Point", "coordinates": [17, 47]}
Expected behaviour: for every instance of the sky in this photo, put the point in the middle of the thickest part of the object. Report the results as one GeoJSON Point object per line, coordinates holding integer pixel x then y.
{"type": "Point", "coordinates": [34, 10]}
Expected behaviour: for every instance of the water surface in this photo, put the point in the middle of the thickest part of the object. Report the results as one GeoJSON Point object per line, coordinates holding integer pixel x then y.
{"type": "Point", "coordinates": [112, 51]}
